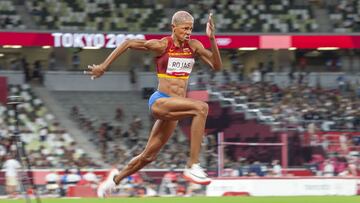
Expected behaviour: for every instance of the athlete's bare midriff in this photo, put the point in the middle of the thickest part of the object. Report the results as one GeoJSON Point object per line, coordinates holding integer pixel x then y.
{"type": "Point", "coordinates": [173, 87]}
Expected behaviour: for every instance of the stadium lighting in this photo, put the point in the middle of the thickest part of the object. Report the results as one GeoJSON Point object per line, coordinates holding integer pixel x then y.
{"type": "Point", "coordinates": [46, 47]}
{"type": "Point", "coordinates": [12, 46]}
{"type": "Point", "coordinates": [248, 48]}
{"type": "Point", "coordinates": [327, 48]}
{"type": "Point", "coordinates": [1, 55]}
{"type": "Point", "coordinates": [91, 47]}
{"type": "Point", "coordinates": [292, 48]}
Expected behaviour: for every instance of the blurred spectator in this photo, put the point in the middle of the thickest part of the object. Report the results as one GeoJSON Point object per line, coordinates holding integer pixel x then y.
{"type": "Point", "coordinates": [234, 60]}
{"type": "Point", "coordinates": [119, 114]}
{"type": "Point", "coordinates": [136, 123]}
{"type": "Point", "coordinates": [73, 177]}
{"type": "Point", "coordinates": [327, 125]}
{"type": "Point", "coordinates": [74, 112]}
{"type": "Point", "coordinates": [64, 182]}
{"type": "Point", "coordinates": [356, 140]}
{"type": "Point", "coordinates": [242, 167]}
{"type": "Point", "coordinates": [302, 64]}
{"type": "Point", "coordinates": [255, 76]}
{"type": "Point", "coordinates": [52, 61]}
{"type": "Point", "coordinates": [91, 178]}
{"type": "Point", "coordinates": [276, 169]}
{"type": "Point", "coordinates": [76, 60]}
{"type": "Point", "coordinates": [168, 184]}
{"type": "Point", "coordinates": [132, 75]}
{"type": "Point", "coordinates": [340, 165]}
{"type": "Point", "coordinates": [11, 167]}
{"type": "Point", "coordinates": [103, 138]}
{"type": "Point", "coordinates": [151, 190]}
{"type": "Point", "coordinates": [270, 66]}
{"type": "Point", "coordinates": [2, 22]}
{"type": "Point", "coordinates": [37, 72]}
{"type": "Point", "coordinates": [328, 168]}
{"type": "Point", "coordinates": [344, 140]}
{"type": "Point", "coordinates": [26, 70]}
{"type": "Point", "coordinates": [43, 133]}
{"type": "Point", "coordinates": [263, 70]}
{"type": "Point", "coordinates": [133, 185]}
{"type": "Point", "coordinates": [256, 169]}
{"type": "Point", "coordinates": [14, 64]}
{"type": "Point", "coordinates": [315, 162]}
{"type": "Point", "coordinates": [352, 167]}
{"type": "Point", "coordinates": [291, 73]}
{"type": "Point", "coordinates": [147, 63]}
{"type": "Point", "coordinates": [313, 134]}
{"type": "Point", "coordinates": [52, 182]}
{"type": "Point", "coordinates": [226, 76]}
{"type": "Point", "coordinates": [194, 189]}
{"type": "Point", "coordinates": [341, 81]}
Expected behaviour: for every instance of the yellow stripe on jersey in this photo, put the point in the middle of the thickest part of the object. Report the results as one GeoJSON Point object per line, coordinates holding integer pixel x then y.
{"type": "Point", "coordinates": [180, 53]}
{"type": "Point", "coordinates": [161, 75]}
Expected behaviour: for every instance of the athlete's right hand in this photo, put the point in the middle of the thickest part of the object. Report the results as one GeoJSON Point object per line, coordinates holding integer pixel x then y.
{"type": "Point", "coordinates": [95, 71]}
{"type": "Point", "coordinates": [210, 27]}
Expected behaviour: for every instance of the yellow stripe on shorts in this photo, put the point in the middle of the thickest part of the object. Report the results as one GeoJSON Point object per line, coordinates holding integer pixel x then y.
{"type": "Point", "coordinates": [161, 75]}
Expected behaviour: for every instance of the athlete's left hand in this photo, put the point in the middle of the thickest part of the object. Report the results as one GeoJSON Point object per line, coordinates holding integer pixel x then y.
{"type": "Point", "coordinates": [210, 27]}
{"type": "Point", "coordinates": [95, 71]}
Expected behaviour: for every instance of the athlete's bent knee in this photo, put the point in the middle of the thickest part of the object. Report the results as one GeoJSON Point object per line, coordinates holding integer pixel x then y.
{"type": "Point", "coordinates": [202, 108]}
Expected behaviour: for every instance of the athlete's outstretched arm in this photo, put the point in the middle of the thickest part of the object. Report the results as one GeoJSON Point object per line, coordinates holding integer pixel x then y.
{"type": "Point", "coordinates": [98, 70]}
{"type": "Point", "coordinates": [212, 57]}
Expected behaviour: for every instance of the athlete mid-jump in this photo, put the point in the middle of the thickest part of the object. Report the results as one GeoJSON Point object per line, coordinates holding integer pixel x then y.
{"type": "Point", "coordinates": [174, 62]}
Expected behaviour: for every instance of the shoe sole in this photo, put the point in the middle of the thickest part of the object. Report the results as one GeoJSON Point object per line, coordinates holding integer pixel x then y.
{"type": "Point", "coordinates": [197, 182]}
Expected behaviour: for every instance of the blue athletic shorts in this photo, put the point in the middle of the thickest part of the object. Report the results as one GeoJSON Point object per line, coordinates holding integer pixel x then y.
{"type": "Point", "coordinates": [156, 95]}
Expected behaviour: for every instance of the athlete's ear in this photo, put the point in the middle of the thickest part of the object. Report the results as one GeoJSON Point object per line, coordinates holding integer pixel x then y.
{"type": "Point", "coordinates": [172, 27]}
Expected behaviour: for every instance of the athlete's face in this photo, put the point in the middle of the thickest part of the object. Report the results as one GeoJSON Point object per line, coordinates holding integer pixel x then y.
{"type": "Point", "coordinates": [183, 30]}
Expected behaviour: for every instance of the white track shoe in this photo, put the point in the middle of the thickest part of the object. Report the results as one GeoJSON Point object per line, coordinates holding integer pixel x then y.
{"type": "Point", "coordinates": [105, 188]}
{"type": "Point", "coordinates": [196, 175]}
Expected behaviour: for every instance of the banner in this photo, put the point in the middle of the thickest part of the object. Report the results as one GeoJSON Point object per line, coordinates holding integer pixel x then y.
{"type": "Point", "coordinates": [224, 41]}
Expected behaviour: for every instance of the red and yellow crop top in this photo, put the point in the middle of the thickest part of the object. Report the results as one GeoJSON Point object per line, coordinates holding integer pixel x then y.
{"type": "Point", "coordinates": [175, 62]}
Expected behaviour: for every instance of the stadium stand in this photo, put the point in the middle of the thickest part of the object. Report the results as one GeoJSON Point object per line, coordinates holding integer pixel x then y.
{"type": "Point", "coordinates": [256, 16]}
{"type": "Point", "coordinates": [126, 134]}
{"type": "Point", "coordinates": [89, 15]}
{"type": "Point", "coordinates": [320, 117]}
{"type": "Point", "coordinates": [42, 134]}
{"type": "Point", "coordinates": [344, 16]}
{"type": "Point", "coordinates": [9, 18]}
{"type": "Point", "coordinates": [299, 104]}
{"type": "Point", "coordinates": [281, 16]}
{"type": "Point", "coordinates": [249, 101]}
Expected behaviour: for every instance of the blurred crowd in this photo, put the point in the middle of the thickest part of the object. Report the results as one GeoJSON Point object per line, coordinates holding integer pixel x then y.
{"type": "Point", "coordinates": [312, 112]}
{"type": "Point", "coordinates": [119, 141]}
{"type": "Point", "coordinates": [148, 15]}
{"type": "Point", "coordinates": [319, 165]}
{"type": "Point", "coordinates": [46, 142]}
{"type": "Point", "coordinates": [300, 104]}
{"type": "Point", "coordinates": [62, 183]}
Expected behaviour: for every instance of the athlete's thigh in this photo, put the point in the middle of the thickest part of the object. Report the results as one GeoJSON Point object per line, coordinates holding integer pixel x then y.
{"type": "Point", "coordinates": [175, 108]}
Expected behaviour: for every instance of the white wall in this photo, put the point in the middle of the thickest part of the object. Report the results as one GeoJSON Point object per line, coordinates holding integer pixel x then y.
{"type": "Point", "coordinates": [295, 186]}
